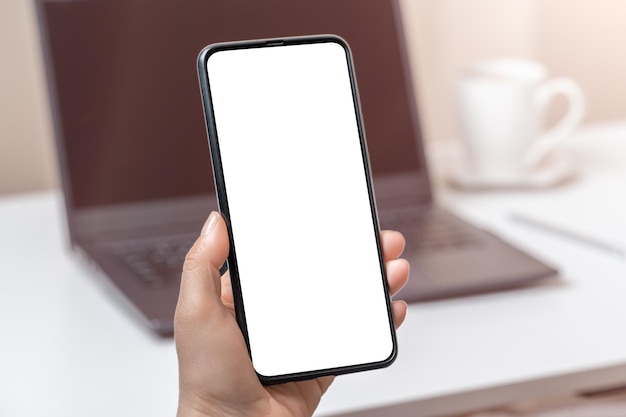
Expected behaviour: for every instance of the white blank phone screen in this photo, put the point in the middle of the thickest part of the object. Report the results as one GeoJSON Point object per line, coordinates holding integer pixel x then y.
{"type": "Point", "coordinates": [303, 231]}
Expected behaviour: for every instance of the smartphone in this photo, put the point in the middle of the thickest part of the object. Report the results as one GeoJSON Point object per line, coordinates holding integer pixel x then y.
{"type": "Point", "coordinates": [293, 183]}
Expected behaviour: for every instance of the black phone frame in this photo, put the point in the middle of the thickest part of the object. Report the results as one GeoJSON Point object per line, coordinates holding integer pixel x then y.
{"type": "Point", "coordinates": [220, 188]}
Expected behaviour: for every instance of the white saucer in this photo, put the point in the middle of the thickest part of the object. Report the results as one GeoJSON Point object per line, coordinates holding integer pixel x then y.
{"type": "Point", "coordinates": [555, 170]}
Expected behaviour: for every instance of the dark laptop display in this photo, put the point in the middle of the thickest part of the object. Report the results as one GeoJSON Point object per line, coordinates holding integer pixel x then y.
{"type": "Point", "coordinates": [127, 88]}
{"type": "Point", "coordinates": [133, 152]}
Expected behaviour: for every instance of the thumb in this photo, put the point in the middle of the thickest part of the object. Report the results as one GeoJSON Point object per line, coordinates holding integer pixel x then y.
{"type": "Point", "coordinates": [213, 241]}
{"type": "Point", "coordinates": [200, 287]}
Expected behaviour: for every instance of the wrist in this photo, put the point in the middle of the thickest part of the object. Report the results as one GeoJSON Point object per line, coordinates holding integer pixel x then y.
{"type": "Point", "coordinates": [191, 409]}
{"type": "Point", "coordinates": [188, 412]}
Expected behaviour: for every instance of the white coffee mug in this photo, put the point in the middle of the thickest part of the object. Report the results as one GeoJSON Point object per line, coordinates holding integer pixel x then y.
{"type": "Point", "coordinates": [502, 105]}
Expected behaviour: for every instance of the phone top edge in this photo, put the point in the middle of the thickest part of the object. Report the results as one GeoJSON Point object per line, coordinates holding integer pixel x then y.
{"type": "Point", "coordinates": [209, 50]}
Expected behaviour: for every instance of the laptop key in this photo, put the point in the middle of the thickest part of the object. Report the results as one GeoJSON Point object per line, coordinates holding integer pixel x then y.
{"type": "Point", "coordinates": [156, 262]}
{"type": "Point", "coordinates": [430, 230]}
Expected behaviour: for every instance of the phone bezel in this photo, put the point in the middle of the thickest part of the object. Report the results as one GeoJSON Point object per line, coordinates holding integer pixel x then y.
{"type": "Point", "coordinates": [220, 188]}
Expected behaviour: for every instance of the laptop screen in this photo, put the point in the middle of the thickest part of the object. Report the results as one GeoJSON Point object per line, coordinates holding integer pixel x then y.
{"type": "Point", "coordinates": [129, 118]}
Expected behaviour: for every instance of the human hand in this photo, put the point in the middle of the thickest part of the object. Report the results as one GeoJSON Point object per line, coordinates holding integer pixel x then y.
{"type": "Point", "coordinates": [216, 376]}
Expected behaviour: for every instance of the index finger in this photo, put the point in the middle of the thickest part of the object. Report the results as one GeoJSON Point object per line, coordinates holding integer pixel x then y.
{"type": "Point", "coordinates": [392, 243]}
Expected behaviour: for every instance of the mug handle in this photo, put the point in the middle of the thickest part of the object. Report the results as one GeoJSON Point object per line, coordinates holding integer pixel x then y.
{"type": "Point", "coordinates": [568, 123]}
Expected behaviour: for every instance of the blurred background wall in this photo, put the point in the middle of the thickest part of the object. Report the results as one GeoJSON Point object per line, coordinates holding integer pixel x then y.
{"type": "Point", "coordinates": [577, 38]}
{"type": "Point", "coordinates": [27, 159]}
{"type": "Point", "coordinates": [582, 39]}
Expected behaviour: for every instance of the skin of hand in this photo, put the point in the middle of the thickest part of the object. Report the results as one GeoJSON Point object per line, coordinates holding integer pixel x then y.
{"type": "Point", "coordinates": [216, 376]}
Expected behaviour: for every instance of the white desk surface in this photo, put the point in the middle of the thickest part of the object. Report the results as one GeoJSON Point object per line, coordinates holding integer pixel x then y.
{"type": "Point", "coordinates": [68, 348]}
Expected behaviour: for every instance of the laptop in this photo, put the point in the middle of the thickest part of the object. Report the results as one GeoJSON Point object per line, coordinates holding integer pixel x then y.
{"type": "Point", "coordinates": [133, 152]}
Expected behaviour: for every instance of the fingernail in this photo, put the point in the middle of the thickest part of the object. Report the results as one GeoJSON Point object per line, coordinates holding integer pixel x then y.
{"type": "Point", "coordinates": [209, 225]}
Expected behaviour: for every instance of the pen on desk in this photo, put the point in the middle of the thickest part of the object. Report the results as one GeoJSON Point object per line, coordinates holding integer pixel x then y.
{"type": "Point", "coordinates": [569, 234]}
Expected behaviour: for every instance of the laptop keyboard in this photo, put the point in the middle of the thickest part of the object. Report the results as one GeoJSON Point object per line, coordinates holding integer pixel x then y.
{"type": "Point", "coordinates": [430, 230]}
{"type": "Point", "coordinates": [155, 261]}
{"type": "Point", "coordinates": [159, 261]}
